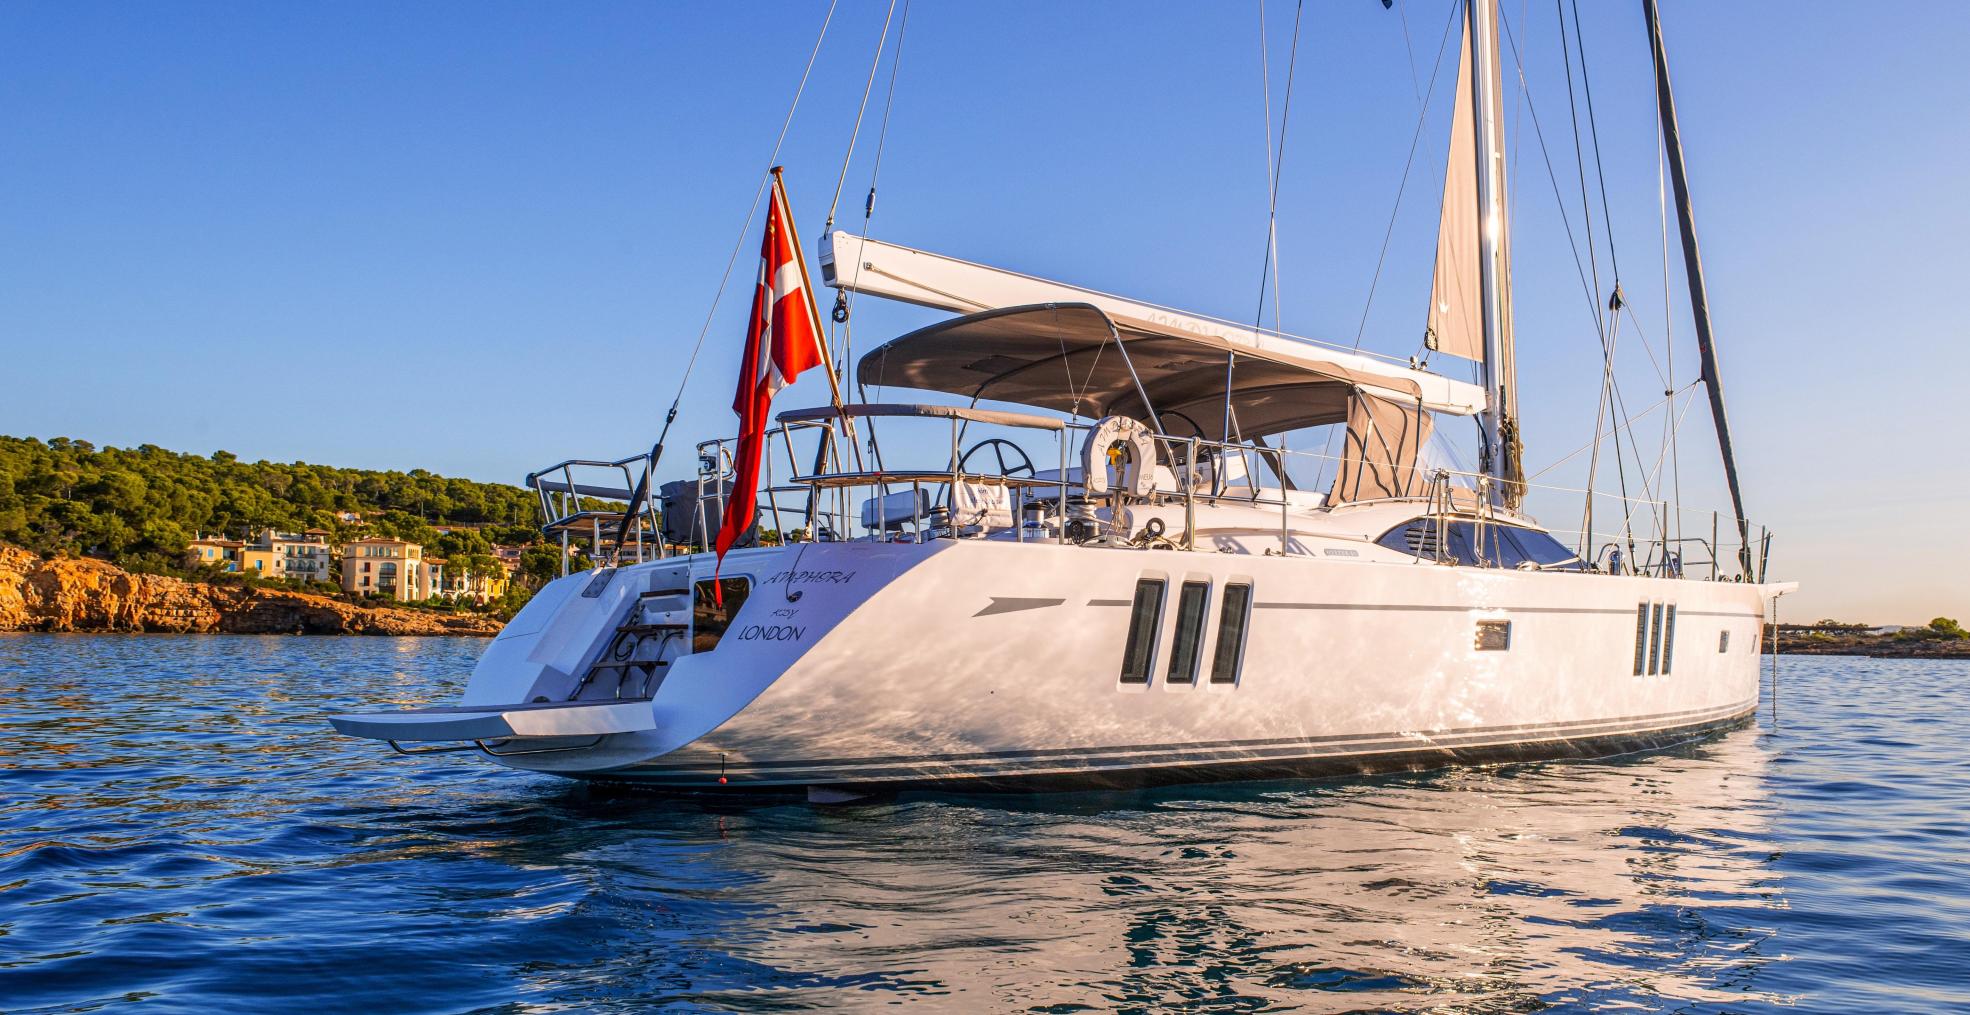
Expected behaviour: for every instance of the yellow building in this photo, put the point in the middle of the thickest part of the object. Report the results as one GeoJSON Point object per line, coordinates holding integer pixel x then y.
{"type": "Point", "coordinates": [302, 555]}
{"type": "Point", "coordinates": [390, 567]}
{"type": "Point", "coordinates": [212, 551]}
{"type": "Point", "coordinates": [459, 585]}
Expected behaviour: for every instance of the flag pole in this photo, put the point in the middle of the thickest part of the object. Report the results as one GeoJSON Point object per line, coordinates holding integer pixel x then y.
{"type": "Point", "coordinates": [814, 314]}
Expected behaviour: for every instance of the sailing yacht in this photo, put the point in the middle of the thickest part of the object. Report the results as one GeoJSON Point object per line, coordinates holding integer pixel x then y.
{"type": "Point", "coordinates": [1107, 574]}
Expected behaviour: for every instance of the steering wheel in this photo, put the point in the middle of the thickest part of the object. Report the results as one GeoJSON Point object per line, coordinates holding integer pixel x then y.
{"type": "Point", "coordinates": [1177, 450]}
{"type": "Point", "coordinates": [999, 446]}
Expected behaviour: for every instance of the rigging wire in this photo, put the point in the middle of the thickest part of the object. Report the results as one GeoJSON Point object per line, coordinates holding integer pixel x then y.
{"type": "Point", "coordinates": [845, 300]}
{"type": "Point", "coordinates": [1275, 164]}
{"type": "Point", "coordinates": [1402, 14]}
{"type": "Point", "coordinates": [745, 229]}
{"type": "Point", "coordinates": [1422, 117]}
{"type": "Point", "coordinates": [1576, 452]}
{"type": "Point", "coordinates": [656, 450]}
{"type": "Point", "coordinates": [1594, 130]}
{"type": "Point", "coordinates": [1552, 175]}
{"type": "Point", "coordinates": [856, 131]}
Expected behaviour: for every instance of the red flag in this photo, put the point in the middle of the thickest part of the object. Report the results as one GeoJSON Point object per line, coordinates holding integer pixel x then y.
{"type": "Point", "coordinates": [782, 339]}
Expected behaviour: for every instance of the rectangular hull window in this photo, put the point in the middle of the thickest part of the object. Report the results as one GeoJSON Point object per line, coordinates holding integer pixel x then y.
{"type": "Point", "coordinates": [1723, 641]}
{"type": "Point", "coordinates": [1139, 654]}
{"type": "Point", "coordinates": [709, 617]}
{"type": "Point", "coordinates": [1494, 636]}
{"type": "Point", "coordinates": [1669, 639]}
{"type": "Point", "coordinates": [1232, 619]}
{"type": "Point", "coordinates": [1641, 637]}
{"type": "Point", "coordinates": [1191, 600]}
{"type": "Point", "coordinates": [1655, 638]}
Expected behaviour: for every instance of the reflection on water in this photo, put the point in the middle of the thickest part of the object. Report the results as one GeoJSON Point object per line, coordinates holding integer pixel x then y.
{"type": "Point", "coordinates": [177, 828]}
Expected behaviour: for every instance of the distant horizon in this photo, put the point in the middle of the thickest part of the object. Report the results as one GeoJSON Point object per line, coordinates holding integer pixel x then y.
{"type": "Point", "coordinates": [478, 240]}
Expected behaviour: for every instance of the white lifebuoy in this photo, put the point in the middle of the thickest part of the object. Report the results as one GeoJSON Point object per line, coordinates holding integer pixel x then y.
{"type": "Point", "coordinates": [1138, 466]}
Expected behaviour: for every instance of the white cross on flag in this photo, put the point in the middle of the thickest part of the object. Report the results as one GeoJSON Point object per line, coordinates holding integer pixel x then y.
{"type": "Point", "coordinates": [783, 339]}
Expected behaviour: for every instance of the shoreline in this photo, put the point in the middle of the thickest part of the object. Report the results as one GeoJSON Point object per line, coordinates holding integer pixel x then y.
{"type": "Point", "coordinates": [87, 596]}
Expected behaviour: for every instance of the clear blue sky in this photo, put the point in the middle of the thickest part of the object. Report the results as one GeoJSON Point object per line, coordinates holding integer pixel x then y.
{"type": "Point", "coordinates": [504, 222]}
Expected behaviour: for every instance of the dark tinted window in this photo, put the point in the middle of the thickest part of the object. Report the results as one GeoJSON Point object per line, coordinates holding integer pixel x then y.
{"type": "Point", "coordinates": [1641, 636]}
{"type": "Point", "coordinates": [1139, 653]}
{"type": "Point", "coordinates": [1538, 547]}
{"type": "Point", "coordinates": [1655, 639]}
{"type": "Point", "coordinates": [709, 616]}
{"type": "Point", "coordinates": [1232, 618]}
{"type": "Point", "coordinates": [1471, 544]}
{"type": "Point", "coordinates": [1669, 639]}
{"type": "Point", "coordinates": [1191, 600]}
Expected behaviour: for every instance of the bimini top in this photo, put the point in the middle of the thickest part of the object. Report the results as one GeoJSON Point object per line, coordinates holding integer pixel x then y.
{"type": "Point", "coordinates": [1075, 358]}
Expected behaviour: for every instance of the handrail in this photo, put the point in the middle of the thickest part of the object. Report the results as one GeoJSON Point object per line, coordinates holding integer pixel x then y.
{"type": "Point", "coordinates": [1656, 532]}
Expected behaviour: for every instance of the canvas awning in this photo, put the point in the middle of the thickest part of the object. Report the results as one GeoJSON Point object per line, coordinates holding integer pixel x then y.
{"type": "Point", "coordinates": [1065, 357]}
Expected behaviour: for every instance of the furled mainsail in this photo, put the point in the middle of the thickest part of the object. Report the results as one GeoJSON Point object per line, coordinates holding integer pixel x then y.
{"type": "Point", "coordinates": [1456, 318]}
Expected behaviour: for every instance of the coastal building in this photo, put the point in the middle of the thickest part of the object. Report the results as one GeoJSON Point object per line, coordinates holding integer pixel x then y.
{"type": "Point", "coordinates": [303, 555]}
{"type": "Point", "coordinates": [509, 558]}
{"type": "Point", "coordinates": [461, 585]}
{"type": "Point", "coordinates": [390, 567]}
{"type": "Point", "coordinates": [214, 551]}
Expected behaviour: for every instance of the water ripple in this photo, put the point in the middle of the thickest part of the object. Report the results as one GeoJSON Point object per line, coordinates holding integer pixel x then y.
{"type": "Point", "coordinates": [177, 830]}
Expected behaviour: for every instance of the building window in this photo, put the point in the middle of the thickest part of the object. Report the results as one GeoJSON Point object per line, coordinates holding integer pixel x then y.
{"type": "Point", "coordinates": [1139, 652]}
{"type": "Point", "coordinates": [1192, 598]}
{"type": "Point", "coordinates": [1232, 619]}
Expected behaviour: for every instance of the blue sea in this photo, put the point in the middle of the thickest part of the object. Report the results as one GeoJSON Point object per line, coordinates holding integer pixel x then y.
{"type": "Point", "coordinates": [179, 832]}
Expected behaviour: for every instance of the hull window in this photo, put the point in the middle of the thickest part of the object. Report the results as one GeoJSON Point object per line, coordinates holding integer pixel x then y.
{"type": "Point", "coordinates": [1139, 654]}
{"type": "Point", "coordinates": [1723, 642]}
{"type": "Point", "coordinates": [1191, 601]}
{"type": "Point", "coordinates": [1655, 639]}
{"type": "Point", "coordinates": [709, 617]}
{"type": "Point", "coordinates": [1641, 637]}
{"type": "Point", "coordinates": [1232, 619]}
{"type": "Point", "coordinates": [1669, 639]}
{"type": "Point", "coordinates": [1494, 636]}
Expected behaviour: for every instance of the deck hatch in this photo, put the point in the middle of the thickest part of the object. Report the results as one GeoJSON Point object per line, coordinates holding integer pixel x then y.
{"type": "Point", "coordinates": [1233, 618]}
{"type": "Point", "coordinates": [1192, 599]}
{"type": "Point", "coordinates": [1139, 652]}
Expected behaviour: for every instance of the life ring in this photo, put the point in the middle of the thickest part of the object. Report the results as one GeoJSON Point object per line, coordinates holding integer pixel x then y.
{"type": "Point", "coordinates": [1138, 457]}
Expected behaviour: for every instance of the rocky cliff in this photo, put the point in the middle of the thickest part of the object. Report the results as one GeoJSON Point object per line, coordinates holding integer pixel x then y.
{"type": "Point", "coordinates": [68, 594]}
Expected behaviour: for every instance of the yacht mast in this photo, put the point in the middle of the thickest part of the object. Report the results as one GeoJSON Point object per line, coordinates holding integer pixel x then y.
{"type": "Point", "coordinates": [1500, 456]}
{"type": "Point", "coordinates": [1706, 344]}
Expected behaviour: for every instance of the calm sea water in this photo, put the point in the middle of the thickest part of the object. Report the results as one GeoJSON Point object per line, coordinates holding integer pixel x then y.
{"type": "Point", "coordinates": [178, 832]}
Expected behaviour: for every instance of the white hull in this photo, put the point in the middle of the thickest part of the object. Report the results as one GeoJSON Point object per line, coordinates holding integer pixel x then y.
{"type": "Point", "coordinates": [989, 663]}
